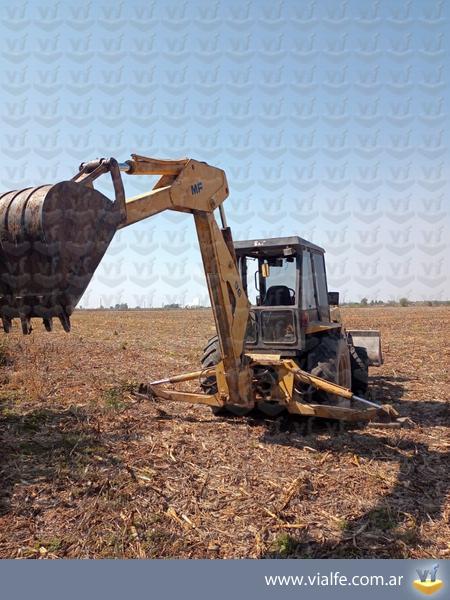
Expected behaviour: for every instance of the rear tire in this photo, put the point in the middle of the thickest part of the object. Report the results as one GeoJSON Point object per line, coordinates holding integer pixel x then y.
{"type": "Point", "coordinates": [360, 370]}
{"type": "Point", "coordinates": [330, 360]}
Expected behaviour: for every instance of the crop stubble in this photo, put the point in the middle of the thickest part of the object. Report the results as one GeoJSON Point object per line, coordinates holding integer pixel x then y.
{"type": "Point", "coordinates": [89, 469]}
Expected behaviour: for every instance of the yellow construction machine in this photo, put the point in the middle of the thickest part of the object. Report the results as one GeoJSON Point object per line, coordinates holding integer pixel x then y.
{"type": "Point", "coordinates": [284, 350]}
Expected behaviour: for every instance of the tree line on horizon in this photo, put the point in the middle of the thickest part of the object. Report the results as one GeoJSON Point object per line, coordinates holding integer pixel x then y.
{"type": "Point", "coordinates": [363, 303]}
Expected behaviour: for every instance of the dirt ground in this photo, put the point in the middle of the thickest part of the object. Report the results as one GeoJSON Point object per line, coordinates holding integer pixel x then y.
{"type": "Point", "coordinates": [87, 469]}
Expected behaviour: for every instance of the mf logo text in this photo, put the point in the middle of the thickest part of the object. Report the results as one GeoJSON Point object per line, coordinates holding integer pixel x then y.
{"type": "Point", "coordinates": [196, 188]}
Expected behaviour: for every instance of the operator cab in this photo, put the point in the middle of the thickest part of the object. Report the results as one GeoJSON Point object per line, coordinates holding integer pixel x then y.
{"type": "Point", "coordinates": [285, 282]}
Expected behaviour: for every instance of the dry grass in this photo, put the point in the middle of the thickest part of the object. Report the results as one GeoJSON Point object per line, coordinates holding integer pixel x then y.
{"type": "Point", "coordinates": [89, 470]}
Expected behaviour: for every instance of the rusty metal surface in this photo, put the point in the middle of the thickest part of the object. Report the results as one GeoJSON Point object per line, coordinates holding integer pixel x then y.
{"type": "Point", "coordinates": [52, 239]}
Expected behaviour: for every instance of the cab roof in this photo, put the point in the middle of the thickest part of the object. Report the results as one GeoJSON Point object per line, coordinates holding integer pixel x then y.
{"type": "Point", "coordinates": [274, 245]}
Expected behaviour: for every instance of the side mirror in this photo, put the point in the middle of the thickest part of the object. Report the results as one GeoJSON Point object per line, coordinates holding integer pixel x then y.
{"type": "Point", "coordinates": [265, 270]}
{"type": "Point", "coordinates": [333, 298]}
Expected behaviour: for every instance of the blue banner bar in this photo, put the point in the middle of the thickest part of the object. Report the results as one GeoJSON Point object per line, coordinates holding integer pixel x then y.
{"type": "Point", "coordinates": [207, 579]}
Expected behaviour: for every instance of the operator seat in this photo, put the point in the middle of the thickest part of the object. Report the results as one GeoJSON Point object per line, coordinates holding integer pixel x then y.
{"type": "Point", "coordinates": [278, 295]}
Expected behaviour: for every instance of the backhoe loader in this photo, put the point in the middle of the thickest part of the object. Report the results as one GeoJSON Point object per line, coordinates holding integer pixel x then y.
{"type": "Point", "coordinates": [286, 350]}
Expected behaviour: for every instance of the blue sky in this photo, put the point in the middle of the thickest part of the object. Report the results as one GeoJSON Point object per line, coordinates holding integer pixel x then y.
{"type": "Point", "coordinates": [330, 119]}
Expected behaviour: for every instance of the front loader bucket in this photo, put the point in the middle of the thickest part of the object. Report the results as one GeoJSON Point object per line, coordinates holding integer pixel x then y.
{"type": "Point", "coordinates": [52, 239]}
{"type": "Point", "coordinates": [370, 340]}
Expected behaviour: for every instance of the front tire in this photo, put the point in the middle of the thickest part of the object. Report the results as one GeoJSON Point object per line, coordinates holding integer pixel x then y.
{"type": "Point", "coordinates": [212, 356]}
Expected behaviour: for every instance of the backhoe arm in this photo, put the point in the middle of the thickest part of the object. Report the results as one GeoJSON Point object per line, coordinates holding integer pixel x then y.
{"type": "Point", "coordinates": [53, 237]}
{"type": "Point", "coordinates": [195, 187]}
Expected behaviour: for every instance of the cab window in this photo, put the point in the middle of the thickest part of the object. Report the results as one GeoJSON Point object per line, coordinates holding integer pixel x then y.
{"type": "Point", "coordinates": [321, 286]}
{"type": "Point", "coordinates": [308, 292]}
{"type": "Point", "coordinates": [279, 286]}
{"type": "Point", "coordinates": [270, 281]}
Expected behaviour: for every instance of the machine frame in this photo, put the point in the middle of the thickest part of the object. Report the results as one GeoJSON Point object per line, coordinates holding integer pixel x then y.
{"type": "Point", "coordinates": [199, 189]}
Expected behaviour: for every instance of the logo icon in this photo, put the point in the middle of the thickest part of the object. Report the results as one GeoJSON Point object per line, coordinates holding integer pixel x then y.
{"type": "Point", "coordinates": [427, 582]}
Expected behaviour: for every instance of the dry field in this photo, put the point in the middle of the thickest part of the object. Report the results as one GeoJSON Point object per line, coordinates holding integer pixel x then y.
{"type": "Point", "coordinates": [87, 469]}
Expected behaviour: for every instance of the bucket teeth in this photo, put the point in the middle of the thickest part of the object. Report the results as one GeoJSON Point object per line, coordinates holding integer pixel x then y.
{"type": "Point", "coordinates": [48, 324]}
{"type": "Point", "coordinates": [7, 324]}
{"type": "Point", "coordinates": [65, 322]}
{"type": "Point", "coordinates": [26, 325]}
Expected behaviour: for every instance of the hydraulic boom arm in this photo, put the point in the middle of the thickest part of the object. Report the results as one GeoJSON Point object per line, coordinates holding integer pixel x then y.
{"type": "Point", "coordinates": [197, 188]}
